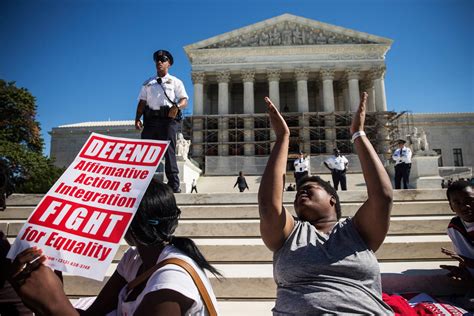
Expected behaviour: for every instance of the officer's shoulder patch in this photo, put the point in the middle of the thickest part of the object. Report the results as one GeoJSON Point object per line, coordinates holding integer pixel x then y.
{"type": "Point", "coordinates": [149, 81]}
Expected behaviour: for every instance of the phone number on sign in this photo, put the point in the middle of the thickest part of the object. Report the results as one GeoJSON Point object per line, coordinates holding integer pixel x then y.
{"type": "Point", "coordinates": [70, 263]}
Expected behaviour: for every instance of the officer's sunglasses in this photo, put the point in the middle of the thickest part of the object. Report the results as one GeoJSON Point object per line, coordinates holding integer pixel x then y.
{"type": "Point", "coordinates": [162, 58]}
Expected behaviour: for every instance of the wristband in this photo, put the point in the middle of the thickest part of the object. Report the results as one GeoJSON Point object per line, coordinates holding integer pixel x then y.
{"type": "Point", "coordinates": [356, 135]}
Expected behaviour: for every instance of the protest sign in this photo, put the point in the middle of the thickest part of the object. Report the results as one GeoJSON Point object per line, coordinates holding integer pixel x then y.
{"type": "Point", "coordinates": [80, 221]}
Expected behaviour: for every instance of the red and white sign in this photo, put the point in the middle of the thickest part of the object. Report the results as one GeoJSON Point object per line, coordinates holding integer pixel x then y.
{"type": "Point", "coordinates": [80, 221]}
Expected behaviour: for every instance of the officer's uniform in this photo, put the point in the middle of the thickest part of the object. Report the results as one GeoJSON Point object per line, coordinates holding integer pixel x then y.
{"type": "Point", "coordinates": [338, 170]}
{"type": "Point", "coordinates": [156, 123]}
{"type": "Point", "coordinates": [402, 159]}
{"type": "Point", "coordinates": [301, 168]}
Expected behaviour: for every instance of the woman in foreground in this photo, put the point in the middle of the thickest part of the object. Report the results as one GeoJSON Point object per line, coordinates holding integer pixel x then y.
{"type": "Point", "coordinates": [323, 265]}
{"type": "Point", "coordinates": [170, 290]}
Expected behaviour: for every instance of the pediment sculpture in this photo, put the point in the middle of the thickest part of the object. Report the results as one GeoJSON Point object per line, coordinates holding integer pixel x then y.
{"type": "Point", "coordinates": [287, 34]}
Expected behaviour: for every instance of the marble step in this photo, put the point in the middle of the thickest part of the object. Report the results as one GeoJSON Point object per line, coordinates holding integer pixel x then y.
{"type": "Point", "coordinates": [235, 307]}
{"type": "Point", "coordinates": [412, 208]}
{"type": "Point", "coordinates": [246, 307]}
{"type": "Point", "coordinates": [413, 225]}
{"type": "Point", "coordinates": [252, 250]}
{"type": "Point", "coordinates": [251, 198]}
{"type": "Point", "coordinates": [255, 281]}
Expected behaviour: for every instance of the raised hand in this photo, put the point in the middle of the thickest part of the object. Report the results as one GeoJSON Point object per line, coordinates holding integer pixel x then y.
{"type": "Point", "coordinates": [358, 120]}
{"type": "Point", "coordinates": [278, 123]}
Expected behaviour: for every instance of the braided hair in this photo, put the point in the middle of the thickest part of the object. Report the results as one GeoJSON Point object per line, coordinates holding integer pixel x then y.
{"type": "Point", "coordinates": [156, 220]}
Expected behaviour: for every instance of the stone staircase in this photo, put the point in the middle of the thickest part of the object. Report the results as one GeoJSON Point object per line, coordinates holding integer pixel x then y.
{"type": "Point", "coordinates": [225, 226]}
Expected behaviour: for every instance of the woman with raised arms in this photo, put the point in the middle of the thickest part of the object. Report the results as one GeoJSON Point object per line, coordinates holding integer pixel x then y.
{"type": "Point", "coordinates": [324, 265]}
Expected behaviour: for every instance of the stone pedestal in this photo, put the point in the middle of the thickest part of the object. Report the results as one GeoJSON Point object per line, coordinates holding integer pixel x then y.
{"type": "Point", "coordinates": [187, 172]}
{"type": "Point", "coordinates": [424, 172]}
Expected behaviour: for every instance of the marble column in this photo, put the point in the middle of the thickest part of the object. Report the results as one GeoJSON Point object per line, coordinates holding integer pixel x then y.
{"type": "Point", "coordinates": [248, 78]}
{"type": "Point", "coordinates": [223, 79]}
{"type": "Point", "coordinates": [368, 86]}
{"type": "Point", "coordinates": [249, 147]}
{"type": "Point", "coordinates": [353, 82]}
{"type": "Point", "coordinates": [274, 86]}
{"type": "Point", "coordinates": [327, 75]}
{"type": "Point", "coordinates": [302, 89]}
{"type": "Point", "coordinates": [223, 134]}
{"type": "Point", "coordinates": [197, 143]}
{"type": "Point", "coordinates": [198, 81]}
{"type": "Point", "coordinates": [379, 86]}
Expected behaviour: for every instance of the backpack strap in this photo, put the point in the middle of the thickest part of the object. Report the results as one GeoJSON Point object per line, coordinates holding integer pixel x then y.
{"type": "Point", "coordinates": [189, 269]}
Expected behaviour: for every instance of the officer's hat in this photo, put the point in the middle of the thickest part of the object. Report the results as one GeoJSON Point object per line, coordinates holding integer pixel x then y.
{"type": "Point", "coordinates": [163, 52]}
{"type": "Point", "coordinates": [401, 141]}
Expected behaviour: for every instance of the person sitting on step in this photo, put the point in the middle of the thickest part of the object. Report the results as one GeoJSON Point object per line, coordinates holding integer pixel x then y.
{"type": "Point", "coordinates": [168, 290]}
{"type": "Point", "coordinates": [321, 264]}
{"type": "Point", "coordinates": [461, 232]}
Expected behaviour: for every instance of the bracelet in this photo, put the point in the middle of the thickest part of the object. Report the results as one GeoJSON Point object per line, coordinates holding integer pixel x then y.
{"type": "Point", "coordinates": [356, 135]}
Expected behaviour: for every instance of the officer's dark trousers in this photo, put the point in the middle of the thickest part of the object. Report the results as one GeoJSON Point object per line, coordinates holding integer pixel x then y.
{"type": "Point", "coordinates": [165, 129]}
{"type": "Point", "coordinates": [299, 175]}
{"type": "Point", "coordinates": [402, 171]}
{"type": "Point", "coordinates": [339, 176]}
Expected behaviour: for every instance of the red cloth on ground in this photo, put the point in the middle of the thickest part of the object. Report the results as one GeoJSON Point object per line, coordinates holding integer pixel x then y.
{"type": "Point", "coordinates": [399, 305]}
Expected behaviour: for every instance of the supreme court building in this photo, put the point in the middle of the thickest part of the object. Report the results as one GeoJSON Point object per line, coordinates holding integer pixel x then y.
{"type": "Point", "coordinates": [313, 71]}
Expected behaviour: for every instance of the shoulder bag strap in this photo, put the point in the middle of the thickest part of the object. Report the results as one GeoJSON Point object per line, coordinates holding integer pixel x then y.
{"type": "Point", "coordinates": [191, 271]}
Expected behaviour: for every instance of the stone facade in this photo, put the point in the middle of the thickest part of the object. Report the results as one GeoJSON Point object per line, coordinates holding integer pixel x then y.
{"type": "Point", "coordinates": [67, 140]}
{"type": "Point", "coordinates": [300, 63]}
{"type": "Point", "coordinates": [450, 134]}
{"type": "Point", "coordinates": [314, 72]}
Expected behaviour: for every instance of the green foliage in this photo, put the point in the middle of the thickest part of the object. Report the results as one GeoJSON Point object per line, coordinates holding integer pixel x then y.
{"type": "Point", "coordinates": [18, 120]}
{"type": "Point", "coordinates": [31, 172]}
{"type": "Point", "coordinates": [21, 143]}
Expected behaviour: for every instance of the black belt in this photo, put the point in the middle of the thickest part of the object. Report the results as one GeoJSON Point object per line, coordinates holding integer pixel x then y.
{"type": "Point", "coordinates": [162, 113]}
{"type": "Point", "coordinates": [156, 114]}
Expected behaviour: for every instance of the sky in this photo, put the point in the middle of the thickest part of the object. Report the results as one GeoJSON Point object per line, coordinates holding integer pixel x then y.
{"type": "Point", "coordinates": [85, 60]}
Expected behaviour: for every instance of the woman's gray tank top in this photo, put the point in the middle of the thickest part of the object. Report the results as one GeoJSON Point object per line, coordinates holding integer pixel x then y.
{"type": "Point", "coordinates": [327, 274]}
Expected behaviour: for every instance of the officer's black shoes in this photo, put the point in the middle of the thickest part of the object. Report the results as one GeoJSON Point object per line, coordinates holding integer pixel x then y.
{"type": "Point", "coordinates": [178, 190]}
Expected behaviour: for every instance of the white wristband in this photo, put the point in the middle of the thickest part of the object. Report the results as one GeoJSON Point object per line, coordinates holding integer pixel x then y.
{"type": "Point", "coordinates": [357, 134]}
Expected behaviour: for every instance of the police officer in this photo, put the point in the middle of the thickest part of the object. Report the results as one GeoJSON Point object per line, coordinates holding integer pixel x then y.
{"type": "Point", "coordinates": [337, 164]}
{"type": "Point", "coordinates": [161, 100]}
{"type": "Point", "coordinates": [402, 158]}
{"type": "Point", "coordinates": [301, 165]}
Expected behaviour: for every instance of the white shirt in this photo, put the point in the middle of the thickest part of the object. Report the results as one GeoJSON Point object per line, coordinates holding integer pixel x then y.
{"type": "Point", "coordinates": [301, 165]}
{"type": "Point", "coordinates": [460, 244]}
{"type": "Point", "coordinates": [153, 93]}
{"type": "Point", "coordinates": [338, 163]}
{"type": "Point", "coordinates": [170, 277]}
{"type": "Point", "coordinates": [402, 155]}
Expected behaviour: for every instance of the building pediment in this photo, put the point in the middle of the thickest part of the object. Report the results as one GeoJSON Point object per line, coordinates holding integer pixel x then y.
{"type": "Point", "coordinates": [287, 30]}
